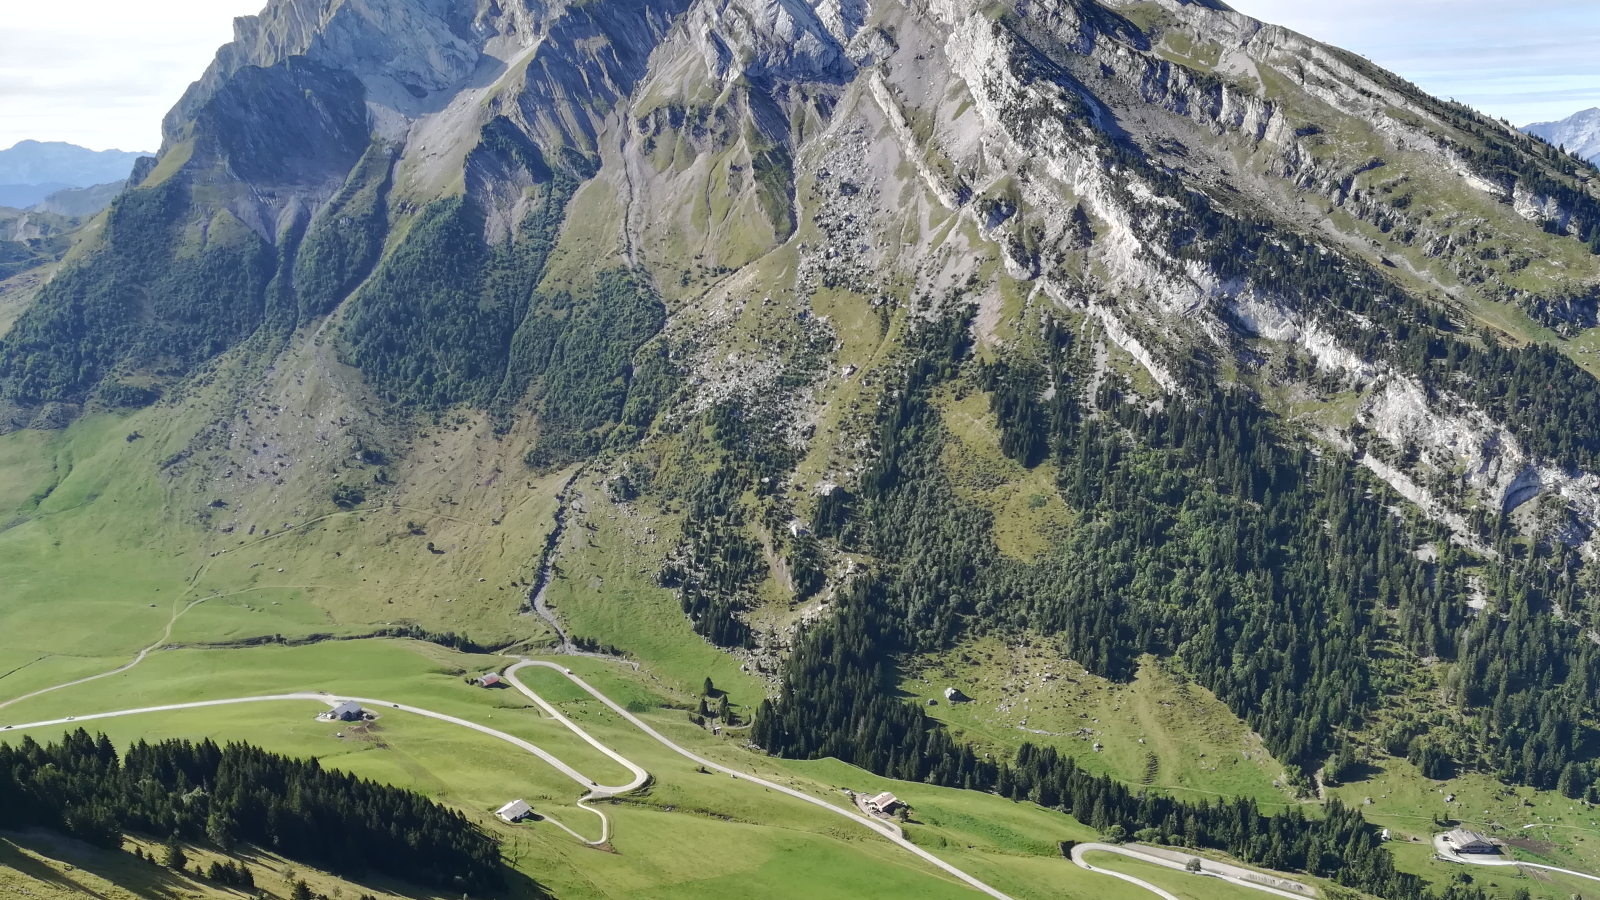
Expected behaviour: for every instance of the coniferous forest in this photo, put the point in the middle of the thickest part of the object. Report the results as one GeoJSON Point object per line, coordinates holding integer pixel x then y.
{"type": "Point", "coordinates": [1270, 572]}
{"type": "Point", "coordinates": [1293, 366]}
{"type": "Point", "coordinates": [236, 794]}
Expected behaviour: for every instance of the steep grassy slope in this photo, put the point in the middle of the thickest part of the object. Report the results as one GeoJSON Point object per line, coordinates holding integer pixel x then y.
{"type": "Point", "coordinates": [44, 865]}
{"type": "Point", "coordinates": [841, 355]}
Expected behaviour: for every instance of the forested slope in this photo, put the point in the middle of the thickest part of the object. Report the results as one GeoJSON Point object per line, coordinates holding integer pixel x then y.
{"type": "Point", "coordinates": [854, 335]}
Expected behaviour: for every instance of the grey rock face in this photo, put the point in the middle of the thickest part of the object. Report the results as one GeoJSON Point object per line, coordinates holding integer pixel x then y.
{"type": "Point", "coordinates": [395, 48]}
{"type": "Point", "coordinates": [778, 39]}
{"type": "Point", "coordinates": [709, 121]}
{"type": "Point", "coordinates": [1579, 133]}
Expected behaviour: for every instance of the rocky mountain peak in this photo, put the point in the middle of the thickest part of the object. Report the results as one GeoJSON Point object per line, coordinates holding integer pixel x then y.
{"type": "Point", "coordinates": [1579, 133]}
{"type": "Point", "coordinates": [1140, 323]}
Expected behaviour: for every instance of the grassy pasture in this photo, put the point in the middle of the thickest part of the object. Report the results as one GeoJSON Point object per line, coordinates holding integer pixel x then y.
{"type": "Point", "coordinates": [50, 867]}
{"type": "Point", "coordinates": [689, 833]}
{"type": "Point", "coordinates": [84, 563]}
{"type": "Point", "coordinates": [1565, 832]}
{"type": "Point", "coordinates": [95, 561]}
{"type": "Point", "coordinates": [605, 589]}
{"type": "Point", "coordinates": [1032, 694]}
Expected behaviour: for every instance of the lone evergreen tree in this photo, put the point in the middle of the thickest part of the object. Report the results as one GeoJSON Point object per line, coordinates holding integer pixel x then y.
{"type": "Point", "coordinates": [302, 891]}
{"type": "Point", "coordinates": [175, 858]}
{"type": "Point", "coordinates": [708, 689]}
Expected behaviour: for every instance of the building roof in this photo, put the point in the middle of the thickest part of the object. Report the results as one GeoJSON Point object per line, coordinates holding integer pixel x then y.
{"type": "Point", "coordinates": [490, 678]}
{"type": "Point", "coordinates": [884, 800]}
{"type": "Point", "coordinates": [514, 810]}
{"type": "Point", "coordinates": [347, 708]}
{"type": "Point", "coordinates": [1463, 838]}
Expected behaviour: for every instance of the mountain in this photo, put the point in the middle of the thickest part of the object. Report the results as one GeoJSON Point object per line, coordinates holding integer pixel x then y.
{"type": "Point", "coordinates": [80, 201]}
{"type": "Point", "coordinates": [30, 171]}
{"type": "Point", "coordinates": [1076, 350]}
{"type": "Point", "coordinates": [22, 196]}
{"type": "Point", "coordinates": [1579, 133]}
{"type": "Point", "coordinates": [68, 165]}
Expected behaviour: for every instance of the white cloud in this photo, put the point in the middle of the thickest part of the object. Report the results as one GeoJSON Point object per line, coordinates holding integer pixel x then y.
{"type": "Point", "coordinates": [102, 73]}
{"type": "Point", "coordinates": [1526, 60]}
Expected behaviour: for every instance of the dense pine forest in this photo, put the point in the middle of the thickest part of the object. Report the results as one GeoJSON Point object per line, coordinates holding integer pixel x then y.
{"type": "Point", "coordinates": [1223, 367]}
{"type": "Point", "coordinates": [1271, 572]}
{"type": "Point", "coordinates": [242, 794]}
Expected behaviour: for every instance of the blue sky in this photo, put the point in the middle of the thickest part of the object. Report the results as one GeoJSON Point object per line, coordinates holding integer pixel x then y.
{"type": "Point", "coordinates": [102, 73]}
{"type": "Point", "coordinates": [1528, 61]}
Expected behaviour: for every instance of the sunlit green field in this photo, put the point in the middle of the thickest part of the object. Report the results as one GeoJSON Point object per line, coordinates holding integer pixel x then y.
{"type": "Point", "coordinates": [96, 566]}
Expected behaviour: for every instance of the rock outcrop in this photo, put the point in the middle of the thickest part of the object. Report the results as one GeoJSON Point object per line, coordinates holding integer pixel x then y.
{"type": "Point", "coordinates": [1084, 148]}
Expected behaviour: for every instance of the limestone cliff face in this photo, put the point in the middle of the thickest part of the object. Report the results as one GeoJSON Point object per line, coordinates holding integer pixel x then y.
{"type": "Point", "coordinates": [747, 157]}
{"type": "Point", "coordinates": [398, 49]}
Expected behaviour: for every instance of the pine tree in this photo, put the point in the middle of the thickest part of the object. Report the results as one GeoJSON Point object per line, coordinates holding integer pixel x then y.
{"type": "Point", "coordinates": [175, 859]}
{"type": "Point", "coordinates": [220, 829]}
{"type": "Point", "coordinates": [295, 806]}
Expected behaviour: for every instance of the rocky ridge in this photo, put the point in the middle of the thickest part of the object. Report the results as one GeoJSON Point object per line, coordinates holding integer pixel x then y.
{"type": "Point", "coordinates": [797, 186]}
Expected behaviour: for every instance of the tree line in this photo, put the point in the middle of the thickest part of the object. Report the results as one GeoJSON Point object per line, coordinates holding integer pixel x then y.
{"type": "Point", "coordinates": [241, 793]}
{"type": "Point", "coordinates": [1271, 572]}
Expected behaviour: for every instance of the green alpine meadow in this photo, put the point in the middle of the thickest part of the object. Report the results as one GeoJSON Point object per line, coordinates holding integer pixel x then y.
{"type": "Point", "coordinates": [664, 449]}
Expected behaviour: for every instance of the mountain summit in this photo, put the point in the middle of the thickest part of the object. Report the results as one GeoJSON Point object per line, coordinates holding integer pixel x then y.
{"type": "Point", "coordinates": [32, 170]}
{"type": "Point", "coordinates": [1579, 133]}
{"type": "Point", "coordinates": [57, 162]}
{"type": "Point", "coordinates": [1179, 338]}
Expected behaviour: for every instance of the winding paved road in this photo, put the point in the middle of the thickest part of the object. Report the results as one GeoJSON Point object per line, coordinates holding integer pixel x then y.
{"type": "Point", "coordinates": [1077, 857]}
{"type": "Point", "coordinates": [883, 828]}
{"type": "Point", "coordinates": [1232, 874]}
{"type": "Point", "coordinates": [597, 791]}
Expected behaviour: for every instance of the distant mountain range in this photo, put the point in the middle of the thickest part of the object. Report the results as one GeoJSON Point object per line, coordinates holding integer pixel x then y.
{"type": "Point", "coordinates": [1579, 132]}
{"type": "Point", "coordinates": [80, 201]}
{"type": "Point", "coordinates": [33, 170]}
